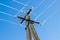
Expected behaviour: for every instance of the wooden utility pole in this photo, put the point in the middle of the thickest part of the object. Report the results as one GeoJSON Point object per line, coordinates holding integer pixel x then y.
{"type": "Point", "coordinates": [31, 32]}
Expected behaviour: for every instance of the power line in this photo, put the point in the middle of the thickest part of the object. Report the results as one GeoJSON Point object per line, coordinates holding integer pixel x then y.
{"type": "Point", "coordinates": [39, 4]}
{"type": "Point", "coordinates": [37, 7]}
{"type": "Point", "coordinates": [6, 14]}
{"type": "Point", "coordinates": [9, 6]}
{"type": "Point", "coordinates": [9, 21]}
{"type": "Point", "coordinates": [21, 10]}
{"type": "Point", "coordinates": [19, 2]}
{"type": "Point", "coordinates": [50, 16]}
{"type": "Point", "coordinates": [45, 9]}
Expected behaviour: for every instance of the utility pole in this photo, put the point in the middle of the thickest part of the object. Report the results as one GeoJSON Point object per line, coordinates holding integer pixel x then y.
{"type": "Point", "coordinates": [31, 32]}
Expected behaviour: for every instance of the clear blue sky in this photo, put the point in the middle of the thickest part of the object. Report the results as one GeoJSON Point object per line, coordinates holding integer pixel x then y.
{"type": "Point", "coordinates": [48, 10]}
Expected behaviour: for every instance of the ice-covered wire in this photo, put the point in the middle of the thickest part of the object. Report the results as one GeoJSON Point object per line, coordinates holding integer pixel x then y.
{"type": "Point", "coordinates": [6, 14]}
{"type": "Point", "coordinates": [9, 7]}
{"type": "Point", "coordinates": [50, 16]}
{"type": "Point", "coordinates": [39, 4]}
{"type": "Point", "coordinates": [45, 10]}
{"type": "Point", "coordinates": [21, 10]}
{"type": "Point", "coordinates": [8, 21]}
{"type": "Point", "coordinates": [19, 2]}
{"type": "Point", "coordinates": [37, 7]}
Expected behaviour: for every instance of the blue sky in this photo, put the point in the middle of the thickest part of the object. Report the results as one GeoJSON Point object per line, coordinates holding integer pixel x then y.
{"type": "Point", "coordinates": [45, 11]}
